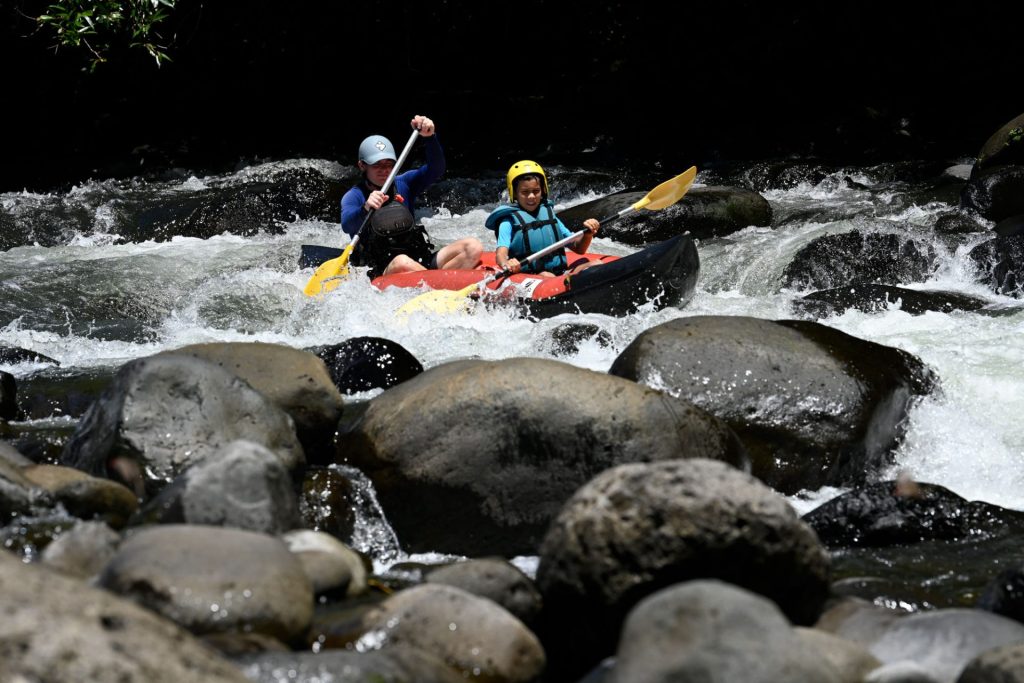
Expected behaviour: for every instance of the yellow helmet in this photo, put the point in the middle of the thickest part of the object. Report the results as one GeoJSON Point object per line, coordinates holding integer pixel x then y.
{"type": "Point", "coordinates": [522, 168]}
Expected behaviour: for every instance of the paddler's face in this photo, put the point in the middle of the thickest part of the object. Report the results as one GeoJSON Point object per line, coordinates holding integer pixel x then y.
{"type": "Point", "coordinates": [528, 194]}
{"type": "Point", "coordinates": [378, 173]}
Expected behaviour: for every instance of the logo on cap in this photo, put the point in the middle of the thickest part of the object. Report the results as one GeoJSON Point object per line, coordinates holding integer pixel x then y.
{"type": "Point", "coordinates": [380, 145]}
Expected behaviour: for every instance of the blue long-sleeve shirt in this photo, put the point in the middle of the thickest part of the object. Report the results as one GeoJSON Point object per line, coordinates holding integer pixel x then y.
{"type": "Point", "coordinates": [409, 184]}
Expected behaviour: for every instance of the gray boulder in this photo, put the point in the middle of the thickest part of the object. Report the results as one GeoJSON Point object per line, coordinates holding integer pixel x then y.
{"type": "Point", "coordinates": [296, 381]}
{"type": "Point", "coordinates": [163, 413]}
{"type": "Point", "coordinates": [635, 529]}
{"type": "Point", "coordinates": [712, 632]}
{"type": "Point", "coordinates": [858, 257]}
{"type": "Point", "coordinates": [243, 485]}
{"type": "Point", "coordinates": [474, 635]}
{"type": "Point", "coordinates": [813, 406]}
{"type": "Point", "coordinates": [57, 628]}
{"type": "Point", "coordinates": [704, 212]}
{"type": "Point", "coordinates": [214, 580]}
{"type": "Point", "coordinates": [476, 457]}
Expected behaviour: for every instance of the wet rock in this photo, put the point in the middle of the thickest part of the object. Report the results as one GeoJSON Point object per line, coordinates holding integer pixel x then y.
{"type": "Point", "coordinates": [365, 363]}
{"type": "Point", "coordinates": [903, 512]}
{"type": "Point", "coordinates": [568, 337]}
{"type": "Point", "coordinates": [10, 355]}
{"type": "Point", "coordinates": [57, 628]}
{"type": "Point", "coordinates": [8, 397]}
{"type": "Point", "coordinates": [259, 205]}
{"type": "Point", "coordinates": [494, 579]}
{"type": "Point", "coordinates": [1000, 262]}
{"type": "Point", "coordinates": [327, 502]}
{"type": "Point", "coordinates": [83, 550]}
{"type": "Point", "coordinates": [84, 496]}
{"type": "Point", "coordinates": [855, 257]}
{"type": "Point", "coordinates": [58, 391]}
{"type": "Point", "coordinates": [872, 298]}
{"type": "Point", "coordinates": [476, 457]}
{"type": "Point", "coordinates": [851, 660]}
{"type": "Point", "coordinates": [330, 564]}
{"type": "Point", "coordinates": [12, 456]}
{"type": "Point", "coordinates": [1005, 147]}
{"type": "Point", "coordinates": [295, 380]}
{"type": "Point", "coordinates": [163, 413]}
{"type": "Point", "coordinates": [957, 223]}
{"type": "Point", "coordinates": [486, 641]}
{"type": "Point", "coordinates": [1008, 227]}
{"type": "Point", "coordinates": [711, 631]}
{"type": "Point", "coordinates": [812, 405]}
{"type": "Point", "coordinates": [943, 642]}
{"type": "Point", "coordinates": [214, 580]}
{"type": "Point", "coordinates": [1004, 664]}
{"type": "Point", "coordinates": [996, 194]}
{"type": "Point", "coordinates": [704, 212]}
{"type": "Point", "coordinates": [395, 663]}
{"type": "Point", "coordinates": [18, 495]}
{"type": "Point", "coordinates": [242, 485]}
{"type": "Point", "coordinates": [1005, 594]}
{"type": "Point", "coordinates": [635, 529]}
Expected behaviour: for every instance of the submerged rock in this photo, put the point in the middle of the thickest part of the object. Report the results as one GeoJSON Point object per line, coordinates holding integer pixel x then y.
{"type": "Point", "coordinates": [872, 298]}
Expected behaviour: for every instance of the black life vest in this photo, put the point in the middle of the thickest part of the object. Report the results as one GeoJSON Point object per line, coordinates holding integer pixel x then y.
{"type": "Point", "coordinates": [392, 231]}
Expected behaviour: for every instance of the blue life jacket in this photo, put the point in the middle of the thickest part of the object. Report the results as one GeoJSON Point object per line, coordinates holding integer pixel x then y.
{"type": "Point", "coordinates": [530, 234]}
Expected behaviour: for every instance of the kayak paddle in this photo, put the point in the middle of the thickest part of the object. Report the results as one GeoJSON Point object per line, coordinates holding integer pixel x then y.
{"type": "Point", "coordinates": [330, 273]}
{"type": "Point", "coordinates": [447, 301]}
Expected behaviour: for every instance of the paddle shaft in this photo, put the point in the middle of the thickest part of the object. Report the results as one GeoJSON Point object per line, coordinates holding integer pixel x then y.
{"type": "Point", "coordinates": [386, 185]}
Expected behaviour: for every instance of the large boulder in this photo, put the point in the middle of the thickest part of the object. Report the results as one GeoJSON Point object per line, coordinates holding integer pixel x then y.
{"type": "Point", "coordinates": [903, 513]}
{"type": "Point", "coordinates": [715, 633]}
{"type": "Point", "coordinates": [1004, 147]}
{"type": "Point", "coordinates": [855, 257]}
{"type": "Point", "coordinates": [812, 405]}
{"type": "Point", "coordinates": [997, 194]}
{"type": "Point", "coordinates": [635, 529]}
{"type": "Point", "coordinates": [163, 413]}
{"type": "Point", "coordinates": [476, 457]}
{"type": "Point", "coordinates": [214, 580]}
{"type": "Point", "coordinates": [56, 628]}
{"type": "Point", "coordinates": [365, 363]}
{"type": "Point", "coordinates": [704, 212]}
{"type": "Point", "coordinates": [243, 485]}
{"type": "Point", "coordinates": [473, 634]}
{"type": "Point", "coordinates": [1000, 264]}
{"type": "Point", "coordinates": [297, 381]}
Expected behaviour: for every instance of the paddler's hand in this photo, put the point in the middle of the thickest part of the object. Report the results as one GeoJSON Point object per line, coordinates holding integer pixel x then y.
{"type": "Point", "coordinates": [513, 265]}
{"type": "Point", "coordinates": [424, 125]}
{"type": "Point", "coordinates": [375, 201]}
{"type": "Point", "coordinates": [592, 225]}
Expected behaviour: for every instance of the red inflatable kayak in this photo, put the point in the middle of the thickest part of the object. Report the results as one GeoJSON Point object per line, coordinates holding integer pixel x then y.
{"type": "Point", "coordinates": [663, 273]}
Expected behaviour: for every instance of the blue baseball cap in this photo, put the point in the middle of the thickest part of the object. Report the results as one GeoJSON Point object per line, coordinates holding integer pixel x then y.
{"type": "Point", "coordinates": [375, 148]}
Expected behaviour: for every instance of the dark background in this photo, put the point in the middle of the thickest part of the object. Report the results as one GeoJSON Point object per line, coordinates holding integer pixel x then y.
{"type": "Point", "coordinates": [632, 82]}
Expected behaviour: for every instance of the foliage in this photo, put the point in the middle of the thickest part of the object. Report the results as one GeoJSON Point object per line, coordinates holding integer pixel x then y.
{"type": "Point", "coordinates": [96, 25]}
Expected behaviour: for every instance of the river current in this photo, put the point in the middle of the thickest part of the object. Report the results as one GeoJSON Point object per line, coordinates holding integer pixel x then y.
{"type": "Point", "coordinates": [77, 290]}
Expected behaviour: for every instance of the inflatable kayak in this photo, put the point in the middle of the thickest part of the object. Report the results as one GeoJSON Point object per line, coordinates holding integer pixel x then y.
{"type": "Point", "coordinates": [663, 274]}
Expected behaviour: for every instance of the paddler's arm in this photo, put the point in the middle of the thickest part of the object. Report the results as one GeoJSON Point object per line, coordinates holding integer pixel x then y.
{"type": "Point", "coordinates": [582, 243]}
{"type": "Point", "coordinates": [504, 239]}
{"type": "Point", "coordinates": [504, 262]}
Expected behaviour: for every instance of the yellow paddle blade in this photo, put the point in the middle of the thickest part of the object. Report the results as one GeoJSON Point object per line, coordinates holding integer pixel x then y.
{"type": "Point", "coordinates": [329, 274]}
{"type": "Point", "coordinates": [669, 192]}
{"type": "Point", "coordinates": [438, 301]}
